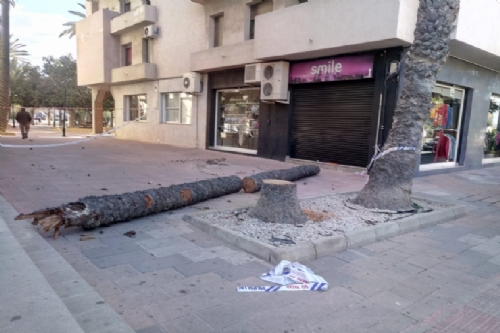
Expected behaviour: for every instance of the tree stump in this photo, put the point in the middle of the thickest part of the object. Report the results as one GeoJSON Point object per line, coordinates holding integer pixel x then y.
{"type": "Point", "coordinates": [278, 203]}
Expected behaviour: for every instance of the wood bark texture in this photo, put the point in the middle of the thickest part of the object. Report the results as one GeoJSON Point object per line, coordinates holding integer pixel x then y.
{"type": "Point", "coordinates": [100, 211]}
{"type": "Point", "coordinates": [278, 203]}
{"type": "Point", "coordinates": [391, 178]}
{"type": "Point", "coordinates": [5, 66]}
{"type": "Point", "coordinates": [254, 183]}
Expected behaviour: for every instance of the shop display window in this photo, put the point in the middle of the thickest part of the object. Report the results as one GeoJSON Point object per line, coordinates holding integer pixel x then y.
{"type": "Point", "coordinates": [492, 135]}
{"type": "Point", "coordinates": [441, 131]}
{"type": "Point", "coordinates": [237, 119]}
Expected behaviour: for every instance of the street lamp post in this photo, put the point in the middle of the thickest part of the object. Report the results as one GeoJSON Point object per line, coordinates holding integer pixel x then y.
{"type": "Point", "coordinates": [64, 115]}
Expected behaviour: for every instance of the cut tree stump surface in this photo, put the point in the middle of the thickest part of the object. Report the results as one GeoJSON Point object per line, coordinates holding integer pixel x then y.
{"type": "Point", "coordinates": [254, 183]}
{"type": "Point", "coordinates": [278, 203]}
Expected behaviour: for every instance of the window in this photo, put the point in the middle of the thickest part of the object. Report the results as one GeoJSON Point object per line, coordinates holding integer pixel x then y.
{"type": "Point", "coordinates": [217, 30]}
{"type": "Point", "coordinates": [125, 6]}
{"type": "Point", "coordinates": [177, 108]}
{"type": "Point", "coordinates": [127, 55]}
{"type": "Point", "coordinates": [145, 51]}
{"type": "Point", "coordinates": [263, 7]}
{"type": "Point", "coordinates": [492, 136]}
{"type": "Point", "coordinates": [441, 133]}
{"type": "Point", "coordinates": [135, 107]}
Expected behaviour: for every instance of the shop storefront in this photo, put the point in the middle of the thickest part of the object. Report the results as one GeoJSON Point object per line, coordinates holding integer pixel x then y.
{"type": "Point", "coordinates": [442, 129]}
{"type": "Point", "coordinates": [492, 135]}
{"type": "Point", "coordinates": [334, 103]}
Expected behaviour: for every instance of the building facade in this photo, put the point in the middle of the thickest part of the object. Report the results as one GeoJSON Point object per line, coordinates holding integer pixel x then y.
{"type": "Point", "coordinates": [310, 80]}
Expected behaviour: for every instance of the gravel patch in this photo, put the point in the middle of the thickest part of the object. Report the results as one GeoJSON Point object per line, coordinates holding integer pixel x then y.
{"type": "Point", "coordinates": [327, 216]}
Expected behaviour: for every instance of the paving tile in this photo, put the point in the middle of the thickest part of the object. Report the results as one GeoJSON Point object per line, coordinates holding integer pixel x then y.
{"type": "Point", "coordinates": [120, 259]}
{"type": "Point", "coordinates": [116, 240]}
{"type": "Point", "coordinates": [396, 323]}
{"type": "Point", "coordinates": [151, 329]}
{"type": "Point", "coordinates": [104, 251]}
{"type": "Point", "coordinates": [370, 285]}
{"type": "Point", "coordinates": [455, 246]}
{"type": "Point", "coordinates": [137, 297]}
{"type": "Point", "coordinates": [413, 289]}
{"type": "Point", "coordinates": [425, 307]}
{"type": "Point", "coordinates": [233, 273]}
{"type": "Point", "coordinates": [350, 255]}
{"type": "Point", "coordinates": [155, 263]}
{"type": "Point", "coordinates": [243, 327]}
{"type": "Point", "coordinates": [201, 239]}
{"type": "Point", "coordinates": [472, 258]}
{"type": "Point", "coordinates": [486, 270]}
{"type": "Point", "coordinates": [381, 246]}
{"type": "Point", "coordinates": [149, 279]}
{"type": "Point", "coordinates": [424, 260]}
{"type": "Point", "coordinates": [490, 247]}
{"type": "Point", "coordinates": [231, 313]}
{"type": "Point", "coordinates": [472, 279]}
{"type": "Point", "coordinates": [206, 266]}
{"type": "Point", "coordinates": [191, 284]}
{"type": "Point", "coordinates": [169, 231]}
{"type": "Point", "coordinates": [472, 239]}
{"type": "Point", "coordinates": [190, 323]}
{"type": "Point", "coordinates": [485, 232]}
{"type": "Point", "coordinates": [325, 263]}
{"type": "Point", "coordinates": [439, 275]}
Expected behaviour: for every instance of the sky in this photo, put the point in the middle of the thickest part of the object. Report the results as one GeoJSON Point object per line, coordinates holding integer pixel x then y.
{"type": "Point", "coordinates": [38, 23]}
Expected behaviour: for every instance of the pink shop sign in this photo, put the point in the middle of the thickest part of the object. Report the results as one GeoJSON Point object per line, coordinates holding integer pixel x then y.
{"type": "Point", "coordinates": [333, 69]}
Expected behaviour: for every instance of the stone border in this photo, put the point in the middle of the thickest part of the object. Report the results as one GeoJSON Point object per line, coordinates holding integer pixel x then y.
{"type": "Point", "coordinates": [328, 245]}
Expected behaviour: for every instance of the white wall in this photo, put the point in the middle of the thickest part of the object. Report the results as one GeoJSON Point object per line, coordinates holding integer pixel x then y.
{"type": "Point", "coordinates": [326, 27]}
{"type": "Point", "coordinates": [152, 130]}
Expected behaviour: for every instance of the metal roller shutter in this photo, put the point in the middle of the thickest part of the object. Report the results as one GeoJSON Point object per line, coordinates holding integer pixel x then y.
{"type": "Point", "coordinates": [332, 122]}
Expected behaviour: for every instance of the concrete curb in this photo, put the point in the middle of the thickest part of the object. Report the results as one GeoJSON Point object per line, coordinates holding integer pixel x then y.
{"type": "Point", "coordinates": [328, 245]}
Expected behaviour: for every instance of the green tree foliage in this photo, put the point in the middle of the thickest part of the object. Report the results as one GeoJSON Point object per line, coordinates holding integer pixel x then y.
{"type": "Point", "coordinates": [46, 87]}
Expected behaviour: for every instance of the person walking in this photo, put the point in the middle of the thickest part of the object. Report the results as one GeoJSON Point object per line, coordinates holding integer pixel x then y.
{"type": "Point", "coordinates": [24, 120]}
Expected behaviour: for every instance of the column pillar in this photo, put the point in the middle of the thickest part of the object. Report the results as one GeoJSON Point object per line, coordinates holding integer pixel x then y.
{"type": "Point", "coordinates": [71, 118]}
{"type": "Point", "coordinates": [98, 97]}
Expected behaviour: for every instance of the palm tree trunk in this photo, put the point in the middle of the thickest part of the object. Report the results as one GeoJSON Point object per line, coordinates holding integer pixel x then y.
{"type": "Point", "coordinates": [101, 211]}
{"type": "Point", "coordinates": [391, 178]}
{"type": "Point", "coordinates": [5, 67]}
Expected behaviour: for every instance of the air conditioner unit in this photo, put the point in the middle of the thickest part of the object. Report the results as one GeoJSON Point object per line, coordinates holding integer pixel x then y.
{"type": "Point", "coordinates": [192, 83]}
{"type": "Point", "coordinates": [253, 74]}
{"type": "Point", "coordinates": [151, 31]}
{"type": "Point", "coordinates": [274, 85]}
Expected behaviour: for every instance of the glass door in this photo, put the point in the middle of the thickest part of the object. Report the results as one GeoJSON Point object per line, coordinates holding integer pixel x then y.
{"type": "Point", "coordinates": [441, 133]}
{"type": "Point", "coordinates": [237, 120]}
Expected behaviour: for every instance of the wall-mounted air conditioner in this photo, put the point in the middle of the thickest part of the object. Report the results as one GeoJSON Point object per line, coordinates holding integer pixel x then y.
{"type": "Point", "coordinates": [274, 85]}
{"type": "Point", "coordinates": [253, 74]}
{"type": "Point", "coordinates": [151, 31]}
{"type": "Point", "coordinates": [192, 83]}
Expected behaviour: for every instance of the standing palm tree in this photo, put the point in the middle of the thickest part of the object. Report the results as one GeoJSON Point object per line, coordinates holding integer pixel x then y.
{"type": "Point", "coordinates": [5, 64]}
{"type": "Point", "coordinates": [71, 31]}
{"type": "Point", "coordinates": [17, 51]}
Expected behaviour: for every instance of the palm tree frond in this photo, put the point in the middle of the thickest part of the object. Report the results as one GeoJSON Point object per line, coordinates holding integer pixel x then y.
{"type": "Point", "coordinates": [77, 13]}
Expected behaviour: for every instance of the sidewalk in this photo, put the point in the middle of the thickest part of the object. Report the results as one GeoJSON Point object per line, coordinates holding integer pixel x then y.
{"type": "Point", "coordinates": [173, 278]}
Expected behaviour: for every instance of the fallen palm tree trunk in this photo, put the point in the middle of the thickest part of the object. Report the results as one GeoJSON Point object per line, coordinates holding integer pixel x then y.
{"type": "Point", "coordinates": [100, 211]}
{"type": "Point", "coordinates": [254, 183]}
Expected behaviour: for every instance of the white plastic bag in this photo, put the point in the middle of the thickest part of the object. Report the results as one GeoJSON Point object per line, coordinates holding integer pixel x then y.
{"type": "Point", "coordinates": [286, 273]}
